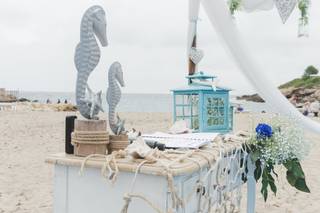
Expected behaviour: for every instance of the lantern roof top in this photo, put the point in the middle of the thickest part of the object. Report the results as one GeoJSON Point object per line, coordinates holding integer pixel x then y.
{"type": "Point", "coordinates": [196, 87]}
{"type": "Point", "coordinates": [201, 82]}
{"type": "Point", "coordinates": [201, 76]}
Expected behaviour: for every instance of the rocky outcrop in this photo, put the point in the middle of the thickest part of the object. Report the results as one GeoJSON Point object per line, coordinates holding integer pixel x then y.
{"type": "Point", "coordinates": [302, 94]}
{"type": "Point", "coordinates": [253, 98]}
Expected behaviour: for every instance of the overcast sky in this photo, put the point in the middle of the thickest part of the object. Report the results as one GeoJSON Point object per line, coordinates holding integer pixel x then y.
{"type": "Point", "coordinates": [148, 37]}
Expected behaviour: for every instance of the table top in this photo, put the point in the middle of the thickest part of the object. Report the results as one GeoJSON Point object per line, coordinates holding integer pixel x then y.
{"type": "Point", "coordinates": [204, 157]}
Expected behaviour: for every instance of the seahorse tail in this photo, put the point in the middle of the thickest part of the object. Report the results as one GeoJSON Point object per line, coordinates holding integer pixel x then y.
{"type": "Point", "coordinates": [81, 86]}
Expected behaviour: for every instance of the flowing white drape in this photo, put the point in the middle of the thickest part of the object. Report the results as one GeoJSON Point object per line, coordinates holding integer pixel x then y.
{"type": "Point", "coordinates": [256, 5]}
{"type": "Point", "coordinates": [222, 22]}
{"type": "Point", "coordinates": [194, 6]}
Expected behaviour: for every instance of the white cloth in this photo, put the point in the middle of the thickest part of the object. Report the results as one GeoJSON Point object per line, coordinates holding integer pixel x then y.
{"type": "Point", "coordinates": [194, 6]}
{"type": "Point", "coordinates": [222, 21]}
{"type": "Point", "coordinates": [257, 5]}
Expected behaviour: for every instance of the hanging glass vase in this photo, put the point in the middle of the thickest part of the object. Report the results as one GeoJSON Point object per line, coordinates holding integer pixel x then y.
{"type": "Point", "coordinates": [303, 28]}
{"type": "Point", "coordinates": [303, 6]}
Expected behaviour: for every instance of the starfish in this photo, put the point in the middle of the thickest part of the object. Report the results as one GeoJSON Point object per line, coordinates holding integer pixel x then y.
{"type": "Point", "coordinates": [93, 100]}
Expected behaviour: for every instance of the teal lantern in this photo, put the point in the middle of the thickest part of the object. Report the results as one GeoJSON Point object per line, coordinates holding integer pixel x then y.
{"type": "Point", "coordinates": [204, 107]}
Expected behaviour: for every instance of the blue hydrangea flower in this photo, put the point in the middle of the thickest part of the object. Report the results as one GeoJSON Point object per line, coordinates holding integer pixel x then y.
{"type": "Point", "coordinates": [264, 131]}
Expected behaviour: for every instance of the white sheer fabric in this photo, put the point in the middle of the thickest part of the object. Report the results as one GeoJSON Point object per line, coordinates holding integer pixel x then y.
{"type": "Point", "coordinates": [194, 6]}
{"type": "Point", "coordinates": [256, 5]}
{"type": "Point", "coordinates": [221, 20]}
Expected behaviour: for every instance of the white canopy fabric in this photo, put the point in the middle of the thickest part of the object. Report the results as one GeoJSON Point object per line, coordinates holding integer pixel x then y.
{"type": "Point", "coordinates": [194, 6]}
{"type": "Point", "coordinates": [256, 5]}
{"type": "Point", "coordinates": [222, 22]}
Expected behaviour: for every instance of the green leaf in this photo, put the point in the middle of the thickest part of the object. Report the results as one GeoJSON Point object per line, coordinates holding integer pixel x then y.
{"type": "Point", "coordinates": [288, 165]}
{"type": "Point", "coordinates": [273, 187]}
{"type": "Point", "coordinates": [301, 185]}
{"type": "Point", "coordinates": [257, 171]}
{"type": "Point", "coordinates": [265, 183]}
{"type": "Point", "coordinates": [291, 178]}
{"type": "Point", "coordinates": [295, 175]}
{"type": "Point", "coordinates": [297, 170]}
{"type": "Point", "coordinates": [255, 155]}
{"type": "Point", "coordinates": [265, 194]}
{"type": "Point", "coordinates": [275, 173]}
{"type": "Point", "coordinates": [271, 183]}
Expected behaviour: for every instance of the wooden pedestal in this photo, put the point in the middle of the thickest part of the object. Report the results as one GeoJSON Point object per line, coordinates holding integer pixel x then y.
{"type": "Point", "coordinates": [118, 142]}
{"type": "Point", "coordinates": [90, 137]}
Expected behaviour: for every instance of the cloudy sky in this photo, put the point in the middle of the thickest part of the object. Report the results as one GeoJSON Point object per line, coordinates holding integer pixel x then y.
{"type": "Point", "coordinates": [148, 37]}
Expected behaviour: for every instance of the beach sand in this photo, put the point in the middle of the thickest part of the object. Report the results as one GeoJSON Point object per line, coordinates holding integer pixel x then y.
{"type": "Point", "coordinates": [26, 181]}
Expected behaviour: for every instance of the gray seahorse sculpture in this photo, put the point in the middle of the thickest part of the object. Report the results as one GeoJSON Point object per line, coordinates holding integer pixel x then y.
{"type": "Point", "coordinates": [87, 56]}
{"type": "Point", "coordinates": [115, 77]}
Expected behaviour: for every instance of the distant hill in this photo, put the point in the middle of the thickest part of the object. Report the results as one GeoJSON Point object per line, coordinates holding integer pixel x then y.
{"type": "Point", "coordinates": [304, 88]}
{"type": "Point", "coordinates": [308, 83]}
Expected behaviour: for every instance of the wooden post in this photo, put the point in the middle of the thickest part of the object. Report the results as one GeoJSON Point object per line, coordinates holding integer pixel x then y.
{"type": "Point", "coordinates": [192, 66]}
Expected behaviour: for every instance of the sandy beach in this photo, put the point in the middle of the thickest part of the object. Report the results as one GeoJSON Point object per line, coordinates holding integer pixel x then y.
{"type": "Point", "coordinates": [27, 137]}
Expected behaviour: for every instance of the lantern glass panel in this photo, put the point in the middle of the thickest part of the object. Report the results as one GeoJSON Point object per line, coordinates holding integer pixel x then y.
{"type": "Point", "coordinates": [216, 110]}
{"type": "Point", "coordinates": [179, 99]}
{"type": "Point", "coordinates": [187, 108]}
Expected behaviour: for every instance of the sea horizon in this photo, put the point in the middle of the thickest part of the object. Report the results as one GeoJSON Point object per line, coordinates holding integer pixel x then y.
{"type": "Point", "coordinates": [133, 102]}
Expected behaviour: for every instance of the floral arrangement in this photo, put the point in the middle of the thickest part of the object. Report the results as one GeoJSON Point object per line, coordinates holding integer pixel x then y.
{"type": "Point", "coordinates": [279, 143]}
{"type": "Point", "coordinates": [234, 5]}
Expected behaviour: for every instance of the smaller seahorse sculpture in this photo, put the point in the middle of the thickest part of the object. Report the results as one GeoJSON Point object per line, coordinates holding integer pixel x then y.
{"type": "Point", "coordinates": [115, 77]}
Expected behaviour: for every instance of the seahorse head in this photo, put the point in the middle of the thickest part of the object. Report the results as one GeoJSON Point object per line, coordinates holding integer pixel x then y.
{"type": "Point", "coordinates": [94, 22]}
{"type": "Point", "coordinates": [116, 72]}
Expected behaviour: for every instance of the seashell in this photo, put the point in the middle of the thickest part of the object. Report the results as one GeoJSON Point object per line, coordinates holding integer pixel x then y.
{"type": "Point", "coordinates": [180, 127]}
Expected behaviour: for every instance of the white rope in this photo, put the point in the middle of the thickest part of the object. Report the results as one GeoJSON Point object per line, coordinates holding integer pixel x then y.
{"type": "Point", "coordinates": [228, 161]}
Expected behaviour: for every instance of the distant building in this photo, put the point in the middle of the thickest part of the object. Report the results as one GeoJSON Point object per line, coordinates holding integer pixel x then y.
{"type": "Point", "coordinates": [8, 95]}
{"type": "Point", "coordinates": [2, 91]}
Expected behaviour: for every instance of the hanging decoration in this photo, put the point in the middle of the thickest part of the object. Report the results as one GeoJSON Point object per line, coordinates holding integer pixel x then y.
{"type": "Point", "coordinates": [234, 5]}
{"type": "Point", "coordinates": [303, 6]}
{"type": "Point", "coordinates": [285, 8]}
{"type": "Point", "coordinates": [196, 55]}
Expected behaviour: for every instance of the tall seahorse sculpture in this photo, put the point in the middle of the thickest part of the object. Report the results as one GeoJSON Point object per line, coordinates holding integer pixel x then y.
{"type": "Point", "coordinates": [115, 77]}
{"type": "Point", "coordinates": [87, 56]}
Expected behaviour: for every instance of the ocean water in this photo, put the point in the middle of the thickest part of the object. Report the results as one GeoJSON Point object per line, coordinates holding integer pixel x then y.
{"type": "Point", "coordinates": [134, 102]}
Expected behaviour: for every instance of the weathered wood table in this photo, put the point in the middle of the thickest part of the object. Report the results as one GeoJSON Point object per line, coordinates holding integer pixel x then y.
{"type": "Point", "coordinates": [197, 181]}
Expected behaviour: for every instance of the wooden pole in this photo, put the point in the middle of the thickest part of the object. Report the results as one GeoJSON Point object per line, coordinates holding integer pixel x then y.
{"type": "Point", "coordinates": [192, 66]}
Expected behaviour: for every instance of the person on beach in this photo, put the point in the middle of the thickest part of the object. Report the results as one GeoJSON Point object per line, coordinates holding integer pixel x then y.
{"type": "Point", "coordinates": [65, 101]}
{"type": "Point", "coordinates": [315, 107]}
{"type": "Point", "coordinates": [306, 108]}
{"type": "Point", "coordinates": [58, 101]}
{"type": "Point", "coordinates": [48, 101]}
{"type": "Point", "coordinates": [293, 99]}
{"type": "Point", "coordinates": [240, 108]}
